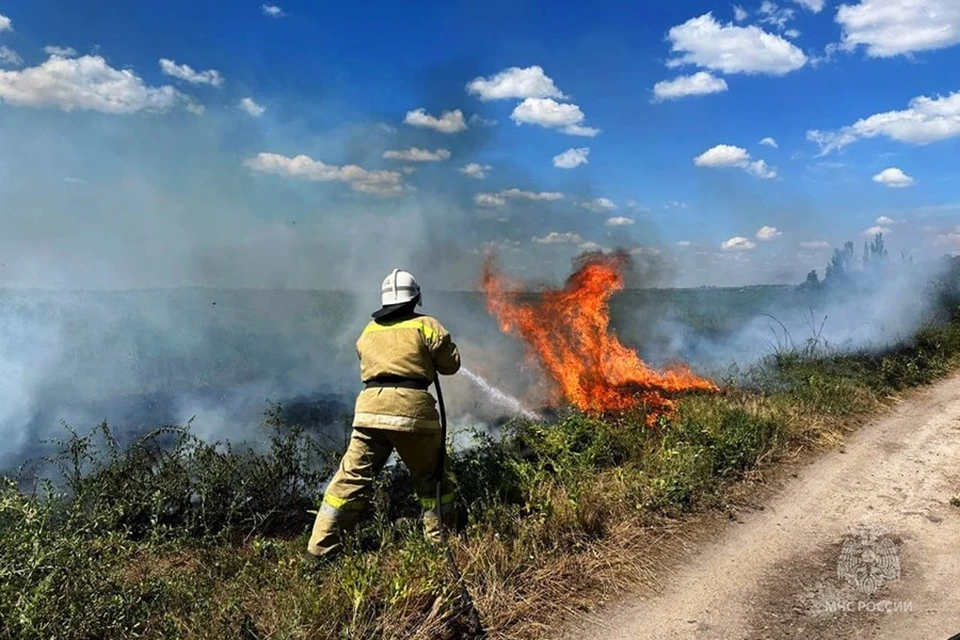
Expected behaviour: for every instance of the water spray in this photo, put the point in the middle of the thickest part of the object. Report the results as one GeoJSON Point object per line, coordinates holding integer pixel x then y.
{"type": "Point", "coordinates": [499, 397]}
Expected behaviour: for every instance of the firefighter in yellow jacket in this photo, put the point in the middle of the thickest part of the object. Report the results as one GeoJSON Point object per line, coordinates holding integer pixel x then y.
{"type": "Point", "coordinates": [401, 352]}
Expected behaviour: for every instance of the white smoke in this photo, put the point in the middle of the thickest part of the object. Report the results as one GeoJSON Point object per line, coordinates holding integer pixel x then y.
{"type": "Point", "coordinates": [28, 353]}
{"type": "Point", "coordinates": [868, 314]}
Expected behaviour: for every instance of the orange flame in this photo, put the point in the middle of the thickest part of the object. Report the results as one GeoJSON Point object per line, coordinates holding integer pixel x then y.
{"type": "Point", "coordinates": [567, 331]}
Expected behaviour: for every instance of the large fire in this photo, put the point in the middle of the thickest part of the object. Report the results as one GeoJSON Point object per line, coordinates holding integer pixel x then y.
{"type": "Point", "coordinates": [568, 332]}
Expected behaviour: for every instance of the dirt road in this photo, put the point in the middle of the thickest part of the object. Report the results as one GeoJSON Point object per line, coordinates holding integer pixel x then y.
{"type": "Point", "coordinates": [862, 543]}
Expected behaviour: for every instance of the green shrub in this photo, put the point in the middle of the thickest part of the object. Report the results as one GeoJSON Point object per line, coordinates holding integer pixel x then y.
{"type": "Point", "coordinates": [171, 483]}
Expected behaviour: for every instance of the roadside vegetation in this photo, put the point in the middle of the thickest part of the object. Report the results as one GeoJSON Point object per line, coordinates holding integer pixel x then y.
{"type": "Point", "coordinates": [174, 537]}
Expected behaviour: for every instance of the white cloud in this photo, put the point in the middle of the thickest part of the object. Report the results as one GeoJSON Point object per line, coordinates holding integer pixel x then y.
{"type": "Point", "coordinates": [737, 243]}
{"type": "Point", "coordinates": [448, 122]}
{"type": "Point", "coordinates": [474, 170]}
{"type": "Point", "coordinates": [699, 84]}
{"type": "Point", "coordinates": [926, 120]}
{"type": "Point", "coordinates": [5, 23]}
{"type": "Point", "coordinates": [489, 200]}
{"type": "Point", "coordinates": [816, 6]}
{"type": "Point", "coordinates": [500, 199]}
{"type": "Point", "coordinates": [558, 238]}
{"type": "Point", "coordinates": [184, 72]}
{"type": "Point", "coordinates": [793, 34]}
{"type": "Point", "coordinates": [84, 83]}
{"type": "Point", "coordinates": [272, 10]}
{"type": "Point", "coordinates": [414, 154]}
{"type": "Point", "coordinates": [571, 158]}
{"type": "Point", "coordinates": [619, 221]}
{"type": "Point", "coordinates": [724, 155]}
{"type": "Point", "coordinates": [760, 169]}
{"type": "Point", "coordinates": [739, 13]}
{"type": "Point", "coordinates": [551, 114]}
{"type": "Point", "coordinates": [894, 178]}
{"type": "Point", "coordinates": [676, 204]}
{"type": "Point", "coordinates": [770, 142]}
{"type": "Point", "coordinates": [515, 82]}
{"type": "Point", "coordinates": [546, 113]}
{"type": "Point", "coordinates": [478, 121]}
{"type": "Point", "coordinates": [532, 195]}
{"type": "Point", "coordinates": [9, 57]}
{"type": "Point", "coordinates": [64, 52]}
{"type": "Point", "coordinates": [768, 233]}
{"type": "Point", "coordinates": [775, 15]}
{"type": "Point", "coordinates": [872, 231]}
{"type": "Point", "coordinates": [598, 205]}
{"type": "Point", "coordinates": [815, 244]}
{"type": "Point", "coordinates": [728, 48]}
{"type": "Point", "coordinates": [579, 130]}
{"type": "Point", "coordinates": [592, 246]}
{"type": "Point", "coordinates": [252, 108]}
{"type": "Point", "coordinates": [884, 220]}
{"type": "Point", "coordinates": [683, 243]}
{"type": "Point", "coordinates": [894, 27]}
{"type": "Point", "coordinates": [382, 183]}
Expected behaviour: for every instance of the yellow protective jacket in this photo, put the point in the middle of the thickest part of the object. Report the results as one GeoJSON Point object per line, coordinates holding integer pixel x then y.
{"type": "Point", "coordinates": [416, 346]}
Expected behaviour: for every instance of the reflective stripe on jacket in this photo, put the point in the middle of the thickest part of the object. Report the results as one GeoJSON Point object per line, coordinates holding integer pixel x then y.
{"type": "Point", "coordinates": [413, 347]}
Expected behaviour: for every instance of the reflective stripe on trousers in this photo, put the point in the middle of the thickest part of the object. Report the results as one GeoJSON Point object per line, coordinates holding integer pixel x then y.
{"type": "Point", "coordinates": [351, 488]}
{"type": "Point", "coordinates": [429, 505]}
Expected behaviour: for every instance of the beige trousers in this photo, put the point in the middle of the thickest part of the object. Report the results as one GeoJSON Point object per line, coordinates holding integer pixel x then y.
{"type": "Point", "coordinates": [349, 491]}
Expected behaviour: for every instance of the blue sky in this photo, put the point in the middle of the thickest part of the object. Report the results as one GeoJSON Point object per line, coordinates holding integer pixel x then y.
{"type": "Point", "coordinates": [158, 145]}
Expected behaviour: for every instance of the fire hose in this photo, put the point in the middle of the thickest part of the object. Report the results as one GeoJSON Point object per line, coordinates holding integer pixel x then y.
{"type": "Point", "coordinates": [476, 627]}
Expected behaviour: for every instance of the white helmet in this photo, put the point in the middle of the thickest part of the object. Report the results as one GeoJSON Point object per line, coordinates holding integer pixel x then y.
{"type": "Point", "coordinates": [399, 287]}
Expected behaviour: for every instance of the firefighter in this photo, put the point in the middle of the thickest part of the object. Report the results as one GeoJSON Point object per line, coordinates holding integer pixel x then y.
{"type": "Point", "coordinates": [400, 354]}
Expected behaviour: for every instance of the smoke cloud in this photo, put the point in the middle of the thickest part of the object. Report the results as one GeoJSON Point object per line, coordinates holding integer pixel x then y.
{"type": "Point", "coordinates": [150, 277]}
{"type": "Point", "coordinates": [147, 275]}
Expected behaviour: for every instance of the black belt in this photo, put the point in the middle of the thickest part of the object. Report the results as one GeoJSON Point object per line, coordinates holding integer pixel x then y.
{"type": "Point", "coordinates": [398, 381]}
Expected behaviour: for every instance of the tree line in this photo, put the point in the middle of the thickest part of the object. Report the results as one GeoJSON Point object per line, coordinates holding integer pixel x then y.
{"type": "Point", "coordinates": [844, 264]}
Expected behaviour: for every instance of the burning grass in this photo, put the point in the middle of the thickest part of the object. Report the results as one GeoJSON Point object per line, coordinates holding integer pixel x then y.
{"type": "Point", "coordinates": [567, 332]}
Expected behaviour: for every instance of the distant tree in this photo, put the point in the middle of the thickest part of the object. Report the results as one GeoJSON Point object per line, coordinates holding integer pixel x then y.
{"type": "Point", "coordinates": [841, 264]}
{"type": "Point", "coordinates": [874, 253]}
{"type": "Point", "coordinates": [846, 268]}
{"type": "Point", "coordinates": [812, 279]}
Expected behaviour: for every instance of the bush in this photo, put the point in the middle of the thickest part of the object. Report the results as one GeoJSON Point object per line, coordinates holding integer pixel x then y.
{"type": "Point", "coordinates": [171, 483]}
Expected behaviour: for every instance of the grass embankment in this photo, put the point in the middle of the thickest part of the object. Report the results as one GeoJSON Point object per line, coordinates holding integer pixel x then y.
{"type": "Point", "coordinates": [174, 538]}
